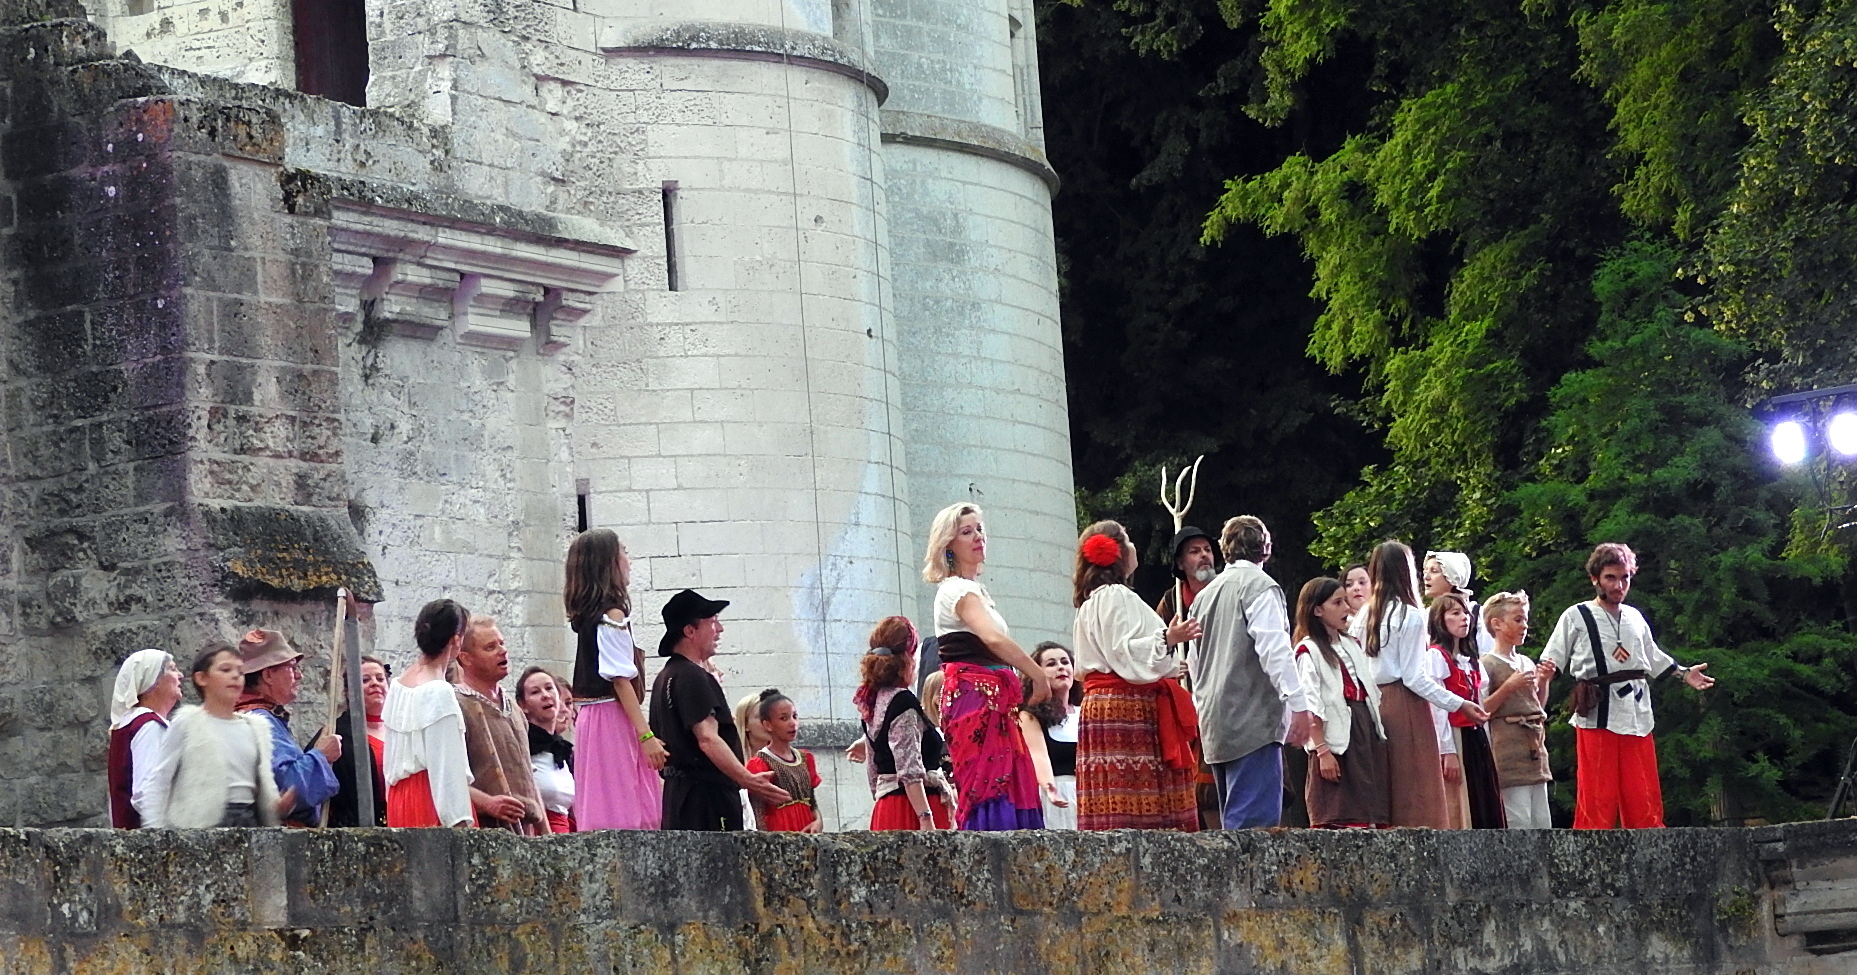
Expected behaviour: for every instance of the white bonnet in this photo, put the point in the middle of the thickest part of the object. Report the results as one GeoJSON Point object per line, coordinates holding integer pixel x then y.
{"type": "Point", "coordinates": [136, 676]}
{"type": "Point", "coordinates": [1456, 566]}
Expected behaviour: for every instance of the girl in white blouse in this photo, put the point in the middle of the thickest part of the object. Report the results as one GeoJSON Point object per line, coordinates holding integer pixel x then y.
{"type": "Point", "coordinates": [1393, 632]}
{"type": "Point", "coordinates": [551, 757]}
{"type": "Point", "coordinates": [1347, 773]}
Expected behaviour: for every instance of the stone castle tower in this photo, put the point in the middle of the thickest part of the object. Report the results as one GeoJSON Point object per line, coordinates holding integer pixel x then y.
{"type": "Point", "coordinates": [759, 284]}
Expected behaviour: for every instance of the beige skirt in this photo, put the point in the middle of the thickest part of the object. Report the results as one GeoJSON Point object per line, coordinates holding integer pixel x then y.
{"type": "Point", "coordinates": [1415, 778]}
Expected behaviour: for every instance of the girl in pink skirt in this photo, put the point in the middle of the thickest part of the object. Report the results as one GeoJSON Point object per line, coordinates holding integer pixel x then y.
{"type": "Point", "coordinates": [616, 757]}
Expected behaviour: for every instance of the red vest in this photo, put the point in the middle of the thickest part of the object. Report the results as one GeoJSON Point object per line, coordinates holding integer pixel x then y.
{"type": "Point", "coordinates": [1464, 682]}
{"type": "Point", "coordinates": [122, 771]}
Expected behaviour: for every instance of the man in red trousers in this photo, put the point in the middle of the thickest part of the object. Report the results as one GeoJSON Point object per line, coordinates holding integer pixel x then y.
{"type": "Point", "coordinates": [1608, 649]}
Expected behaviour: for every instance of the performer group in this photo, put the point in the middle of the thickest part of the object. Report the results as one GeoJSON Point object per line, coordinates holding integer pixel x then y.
{"type": "Point", "coordinates": [1392, 696]}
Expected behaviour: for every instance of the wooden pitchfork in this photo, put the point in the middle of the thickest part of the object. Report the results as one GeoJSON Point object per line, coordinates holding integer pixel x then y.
{"type": "Point", "coordinates": [1179, 509]}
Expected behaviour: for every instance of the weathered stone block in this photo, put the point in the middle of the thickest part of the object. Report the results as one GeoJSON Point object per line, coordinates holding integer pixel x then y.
{"type": "Point", "coordinates": [279, 330]}
{"type": "Point", "coordinates": [335, 882]}
{"type": "Point", "coordinates": [1290, 941]}
{"type": "Point", "coordinates": [145, 328]}
{"type": "Point", "coordinates": [57, 549]}
{"type": "Point", "coordinates": [221, 272]}
{"type": "Point", "coordinates": [1044, 875]}
{"type": "Point", "coordinates": [48, 344]}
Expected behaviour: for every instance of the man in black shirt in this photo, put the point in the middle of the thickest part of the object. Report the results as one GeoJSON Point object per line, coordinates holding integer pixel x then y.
{"type": "Point", "coordinates": [689, 713]}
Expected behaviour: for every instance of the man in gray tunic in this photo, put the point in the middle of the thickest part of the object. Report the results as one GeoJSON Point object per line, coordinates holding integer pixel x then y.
{"type": "Point", "coordinates": [1245, 686]}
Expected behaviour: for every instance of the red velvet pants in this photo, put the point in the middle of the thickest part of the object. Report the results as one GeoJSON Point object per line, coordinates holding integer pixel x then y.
{"type": "Point", "coordinates": [1616, 780]}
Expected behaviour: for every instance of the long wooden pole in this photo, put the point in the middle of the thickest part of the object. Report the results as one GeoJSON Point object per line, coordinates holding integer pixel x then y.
{"type": "Point", "coordinates": [363, 754]}
{"type": "Point", "coordinates": [335, 676]}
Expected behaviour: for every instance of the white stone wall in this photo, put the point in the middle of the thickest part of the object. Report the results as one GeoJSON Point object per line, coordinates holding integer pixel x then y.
{"type": "Point", "coordinates": [743, 432]}
{"type": "Point", "coordinates": [814, 16]}
{"type": "Point", "coordinates": [244, 40]}
{"type": "Point", "coordinates": [950, 58]}
{"type": "Point", "coordinates": [976, 295]}
{"type": "Point", "coordinates": [983, 371]}
{"type": "Point", "coordinates": [461, 486]}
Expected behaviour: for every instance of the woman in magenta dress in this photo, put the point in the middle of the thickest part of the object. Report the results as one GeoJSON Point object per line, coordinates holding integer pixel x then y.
{"type": "Point", "coordinates": [616, 756]}
{"type": "Point", "coordinates": [993, 774]}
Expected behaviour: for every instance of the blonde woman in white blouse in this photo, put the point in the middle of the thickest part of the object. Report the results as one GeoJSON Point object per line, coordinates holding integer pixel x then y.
{"type": "Point", "coordinates": [980, 697]}
{"type": "Point", "coordinates": [1135, 763]}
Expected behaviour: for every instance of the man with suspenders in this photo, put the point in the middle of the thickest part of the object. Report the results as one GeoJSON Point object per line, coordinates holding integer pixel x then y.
{"type": "Point", "coordinates": [1608, 649]}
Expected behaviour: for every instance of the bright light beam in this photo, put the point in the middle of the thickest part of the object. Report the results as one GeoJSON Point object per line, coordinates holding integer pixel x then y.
{"type": "Point", "coordinates": [1788, 441]}
{"type": "Point", "coordinates": [1842, 432]}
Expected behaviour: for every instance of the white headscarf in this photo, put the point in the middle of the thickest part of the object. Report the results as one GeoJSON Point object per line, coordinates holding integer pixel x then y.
{"type": "Point", "coordinates": [1456, 566]}
{"type": "Point", "coordinates": [136, 676]}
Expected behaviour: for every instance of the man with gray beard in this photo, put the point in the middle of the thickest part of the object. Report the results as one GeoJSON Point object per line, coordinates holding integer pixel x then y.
{"type": "Point", "coordinates": [1195, 563]}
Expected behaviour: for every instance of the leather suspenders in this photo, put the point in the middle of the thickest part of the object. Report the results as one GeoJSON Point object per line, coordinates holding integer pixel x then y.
{"type": "Point", "coordinates": [1599, 664]}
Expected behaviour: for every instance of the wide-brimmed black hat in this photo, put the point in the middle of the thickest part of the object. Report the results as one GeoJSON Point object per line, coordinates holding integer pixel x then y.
{"type": "Point", "coordinates": [683, 609]}
{"type": "Point", "coordinates": [1185, 535]}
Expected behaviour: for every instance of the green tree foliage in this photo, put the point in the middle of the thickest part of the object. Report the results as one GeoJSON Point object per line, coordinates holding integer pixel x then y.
{"type": "Point", "coordinates": [1781, 256]}
{"type": "Point", "coordinates": [1646, 444]}
{"type": "Point", "coordinates": [1558, 247]}
{"type": "Point", "coordinates": [1453, 238]}
{"type": "Point", "coordinates": [1174, 349]}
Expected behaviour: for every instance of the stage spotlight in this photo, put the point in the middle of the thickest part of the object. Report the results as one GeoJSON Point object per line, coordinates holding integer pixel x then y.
{"type": "Point", "coordinates": [1842, 432]}
{"type": "Point", "coordinates": [1788, 441]}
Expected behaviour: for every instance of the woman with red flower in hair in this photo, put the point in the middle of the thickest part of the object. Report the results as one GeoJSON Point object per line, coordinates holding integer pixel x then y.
{"type": "Point", "coordinates": [1135, 763]}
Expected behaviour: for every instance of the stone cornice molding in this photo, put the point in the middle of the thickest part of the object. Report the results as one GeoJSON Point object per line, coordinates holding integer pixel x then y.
{"type": "Point", "coordinates": [974, 138]}
{"type": "Point", "coordinates": [418, 273]}
{"type": "Point", "coordinates": [744, 42]}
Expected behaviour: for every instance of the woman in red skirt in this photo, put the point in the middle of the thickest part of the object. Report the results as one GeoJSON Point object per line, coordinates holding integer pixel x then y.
{"type": "Point", "coordinates": [428, 773]}
{"type": "Point", "coordinates": [1135, 762]}
{"type": "Point", "coordinates": [905, 750]}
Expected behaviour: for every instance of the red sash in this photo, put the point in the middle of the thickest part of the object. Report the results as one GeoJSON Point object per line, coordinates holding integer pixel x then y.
{"type": "Point", "coordinates": [1174, 713]}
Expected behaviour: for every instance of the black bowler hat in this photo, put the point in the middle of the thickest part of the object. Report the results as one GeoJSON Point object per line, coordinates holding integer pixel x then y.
{"type": "Point", "coordinates": [1187, 534]}
{"type": "Point", "coordinates": [683, 609]}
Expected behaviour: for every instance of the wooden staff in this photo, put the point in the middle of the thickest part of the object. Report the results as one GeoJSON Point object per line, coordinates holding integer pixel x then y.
{"type": "Point", "coordinates": [363, 759]}
{"type": "Point", "coordinates": [1178, 509]}
{"type": "Point", "coordinates": [335, 675]}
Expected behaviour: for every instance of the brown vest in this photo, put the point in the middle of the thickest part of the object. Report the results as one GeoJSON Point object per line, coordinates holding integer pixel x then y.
{"type": "Point", "coordinates": [497, 745]}
{"type": "Point", "coordinates": [1517, 732]}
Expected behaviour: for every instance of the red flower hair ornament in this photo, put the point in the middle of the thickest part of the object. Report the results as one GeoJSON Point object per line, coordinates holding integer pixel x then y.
{"type": "Point", "coordinates": [1102, 550]}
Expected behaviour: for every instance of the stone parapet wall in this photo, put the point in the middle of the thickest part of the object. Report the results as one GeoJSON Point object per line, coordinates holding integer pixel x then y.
{"type": "Point", "coordinates": [1651, 902]}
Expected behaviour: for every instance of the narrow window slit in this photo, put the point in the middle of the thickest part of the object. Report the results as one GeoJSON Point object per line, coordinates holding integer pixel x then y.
{"type": "Point", "coordinates": [670, 235]}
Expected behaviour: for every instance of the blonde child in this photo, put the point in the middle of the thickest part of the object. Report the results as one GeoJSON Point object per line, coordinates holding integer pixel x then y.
{"type": "Point", "coordinates": [1518, 714]}
{"type": "Point", "coordinates": [774, 716]}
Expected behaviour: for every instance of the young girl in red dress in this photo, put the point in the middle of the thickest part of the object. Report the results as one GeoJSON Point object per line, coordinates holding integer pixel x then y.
{"type": "Point", "coordinates": [793, 769]}
{"type": "Point", "coordinates": [1476, 793]}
